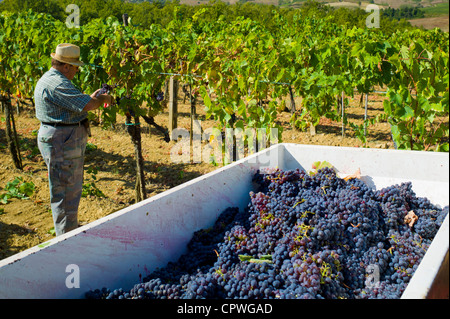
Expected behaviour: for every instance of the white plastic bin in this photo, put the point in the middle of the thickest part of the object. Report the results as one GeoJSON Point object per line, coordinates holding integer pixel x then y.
{"type": "Point", "coordinates": [122, 248]}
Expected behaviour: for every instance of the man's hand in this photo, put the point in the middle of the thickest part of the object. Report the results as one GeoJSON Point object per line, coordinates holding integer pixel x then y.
{"type": "Point", "coordinates": [95, 93]}
{"type": "Point", "coordinates": [98, 101]}
{"type": "Point", "coordinates": [109, 99]}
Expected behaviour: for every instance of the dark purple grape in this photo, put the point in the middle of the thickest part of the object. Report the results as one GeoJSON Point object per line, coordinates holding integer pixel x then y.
{"type": "Point", "coordinates": [106, 89]}
{"type": "Point", "coordinates": [160, 96]}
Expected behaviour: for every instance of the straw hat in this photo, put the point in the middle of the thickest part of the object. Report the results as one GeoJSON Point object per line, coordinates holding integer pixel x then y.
{"type": "Point", "coordinates": [67, 53]}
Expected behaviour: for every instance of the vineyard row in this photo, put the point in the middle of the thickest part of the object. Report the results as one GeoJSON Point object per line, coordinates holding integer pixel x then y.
{"type": "Point", "coordinates": [236, 68]}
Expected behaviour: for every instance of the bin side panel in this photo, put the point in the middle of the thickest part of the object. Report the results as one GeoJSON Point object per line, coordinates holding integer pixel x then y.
{"type": "Point", "coordinates": [121, 249]}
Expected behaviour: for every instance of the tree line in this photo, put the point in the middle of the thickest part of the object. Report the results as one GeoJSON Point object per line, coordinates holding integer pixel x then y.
{"type": "Point", "coordinates": [404, 12]}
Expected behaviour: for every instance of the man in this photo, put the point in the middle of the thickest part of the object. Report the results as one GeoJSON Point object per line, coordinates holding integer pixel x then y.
{"type": "Point", "coordinates": [62, 110]}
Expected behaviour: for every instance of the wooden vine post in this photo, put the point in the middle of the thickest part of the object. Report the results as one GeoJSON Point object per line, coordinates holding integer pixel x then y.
{"type": "Point", "coordinates": [343, 114]}
{"type": "Point", "coordinates": [365, 113]}
{"type": "Point", "coordinates": [192, 100]}
{"type": "Point", "coordinates": [173, 104]}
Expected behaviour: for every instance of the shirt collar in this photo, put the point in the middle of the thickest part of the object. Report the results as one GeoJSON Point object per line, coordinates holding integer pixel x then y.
{"type": "Point", "coordinates": [56, 72]}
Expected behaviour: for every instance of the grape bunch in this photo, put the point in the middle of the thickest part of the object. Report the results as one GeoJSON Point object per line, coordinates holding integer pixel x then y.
{"type": "Point", "coordinates": [302, 236]}
{"type": "Point", "coordinates": [105, 89]}
{"type": "Point", "coordinates": [160, 96]}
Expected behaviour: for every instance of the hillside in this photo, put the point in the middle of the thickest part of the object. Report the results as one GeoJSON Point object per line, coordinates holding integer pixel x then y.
{"type": "Point", "coordinates": [436, 11]}
{"type": "Point", "coordinates": [334, 3]}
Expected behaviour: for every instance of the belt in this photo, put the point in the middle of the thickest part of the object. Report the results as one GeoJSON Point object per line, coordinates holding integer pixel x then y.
{"type": "Point", "coordinates": [66, 124]}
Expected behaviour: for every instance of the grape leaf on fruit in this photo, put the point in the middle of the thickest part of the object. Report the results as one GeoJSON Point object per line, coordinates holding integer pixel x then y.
{"type": "Point", "coordinates": [357, 175]}
{"type": "Point", "coordinates": [410, 218]}
{"type": "Point", "coordinates": [262, 259]}
{"type": "Point", "coordinates": [319, 165]}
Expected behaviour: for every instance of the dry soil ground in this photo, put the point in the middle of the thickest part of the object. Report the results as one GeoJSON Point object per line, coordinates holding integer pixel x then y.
{"type": "Point", "coordinates": [26, 223]}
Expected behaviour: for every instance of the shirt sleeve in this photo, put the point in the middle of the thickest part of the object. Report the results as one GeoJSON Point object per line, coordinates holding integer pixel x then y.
{"type": "Point", "coordinates": [70, 98]}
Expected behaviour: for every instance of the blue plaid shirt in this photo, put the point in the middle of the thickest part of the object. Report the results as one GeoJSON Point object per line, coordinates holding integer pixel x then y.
{"type": "Point", "coordinates": [57, 100]}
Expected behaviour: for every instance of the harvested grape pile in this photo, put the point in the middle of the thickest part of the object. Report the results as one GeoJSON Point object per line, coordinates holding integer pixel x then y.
{"type": "Point", "coordinates": [303, 236]}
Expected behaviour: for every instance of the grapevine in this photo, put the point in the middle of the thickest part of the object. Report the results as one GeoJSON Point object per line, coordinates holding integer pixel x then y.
{"type": "Point", "coordinates": [243, 71]}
